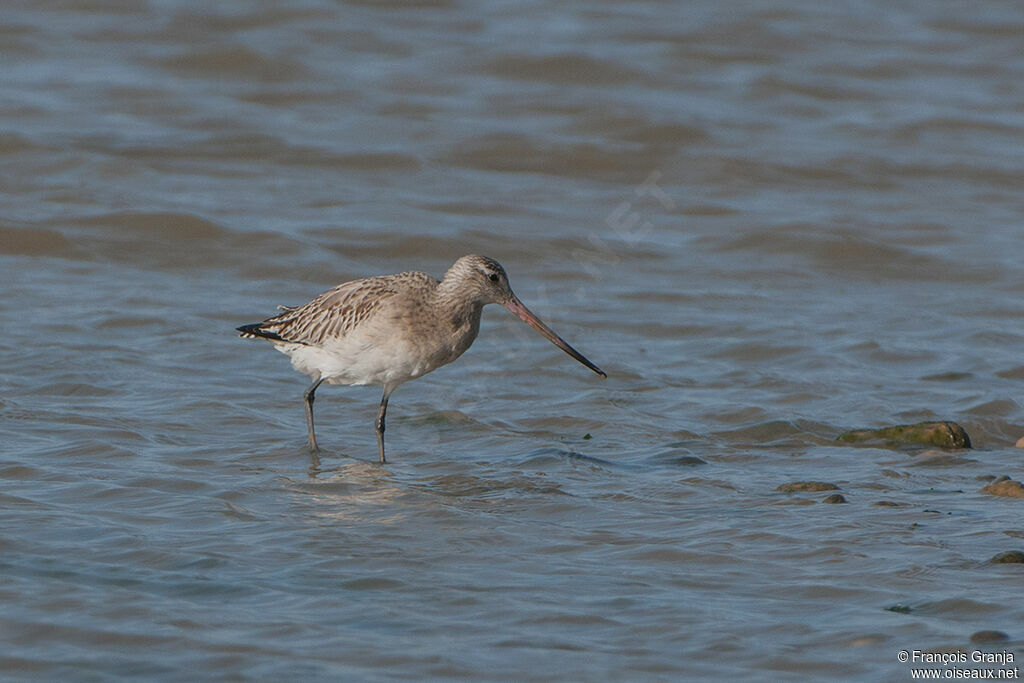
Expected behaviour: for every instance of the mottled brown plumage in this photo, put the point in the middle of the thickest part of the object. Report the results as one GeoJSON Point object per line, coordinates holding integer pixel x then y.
{"type": "Point", "coordinates": [387, 330]}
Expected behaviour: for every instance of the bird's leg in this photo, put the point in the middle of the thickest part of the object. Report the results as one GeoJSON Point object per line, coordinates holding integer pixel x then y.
{"type": "Point", "coordinates": [380, 424]}
{"type": "Point", "coordinates": [310, 396]}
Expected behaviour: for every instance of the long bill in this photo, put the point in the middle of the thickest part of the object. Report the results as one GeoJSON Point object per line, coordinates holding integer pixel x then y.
{"type": "Point", "coordinates": [517, 307]}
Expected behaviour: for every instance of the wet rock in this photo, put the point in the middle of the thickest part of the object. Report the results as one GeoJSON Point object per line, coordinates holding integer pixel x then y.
{"type": "Point", "coordinates": [797, 486]}
{"type": "Point", "coordinates": [1008, 488]}
{"type": "Point", "coordinates": [674, 457]}
{"type": "Point", "coordinates": [891, 504]}
{"type": "Point", "coordinates": [834, 499]}
{"type": "Point", "coordinates": [899, 609]}
{"type": "Point", "coordinates": [796, 500]}
{"type": "Point", "coordinates": [989, 637]}
{"type": "Point", "coordinates": [1008, 557]}
{"type": "Point", "coordinates": [931, 453]}
{"type": "Point", "coordinates": [936, 458]}
{"type": "Point", "coordinates": [940, 434]}
{"type": "Point", "coordinates": [871, 639]}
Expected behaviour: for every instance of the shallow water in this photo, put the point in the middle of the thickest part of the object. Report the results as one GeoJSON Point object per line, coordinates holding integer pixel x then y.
{"type": "Point", "coordinates": [767, 225]}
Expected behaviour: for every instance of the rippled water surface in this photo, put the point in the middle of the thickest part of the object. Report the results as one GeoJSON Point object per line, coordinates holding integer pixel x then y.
{"type": "Point", "coordinates": [769, 223]}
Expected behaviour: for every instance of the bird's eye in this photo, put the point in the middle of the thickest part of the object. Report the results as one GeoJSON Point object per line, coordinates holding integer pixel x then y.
{"type": "Point", "coordinates": [493, 276]}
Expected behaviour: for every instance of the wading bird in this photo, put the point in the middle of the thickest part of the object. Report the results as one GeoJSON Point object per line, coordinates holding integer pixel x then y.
{"type": "Point", "coordinates": [390, 329]}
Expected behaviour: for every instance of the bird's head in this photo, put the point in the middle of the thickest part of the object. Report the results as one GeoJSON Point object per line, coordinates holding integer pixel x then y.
{"type": "Point", "coordinates": [482, 278]}
{"type": "Point", "coordinates": [484, 281]}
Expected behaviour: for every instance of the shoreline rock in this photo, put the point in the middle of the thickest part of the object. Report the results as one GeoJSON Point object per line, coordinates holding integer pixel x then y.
{"type": "Point", "coordinates": [1008, 557]}
{"type": "Point", "coordinates": [940, 434]}
{"type": "Point", "coordinates": [1005, 487]}
{"type": "Point", "coordinates": [813, 486]}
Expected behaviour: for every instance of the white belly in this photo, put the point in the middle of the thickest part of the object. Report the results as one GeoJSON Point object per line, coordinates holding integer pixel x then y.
{"type": "Point", "coordinates": [354, 363]}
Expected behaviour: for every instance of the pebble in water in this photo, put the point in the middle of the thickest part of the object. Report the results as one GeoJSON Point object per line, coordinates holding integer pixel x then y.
{"type": "Point", "coordinates": [1008, 557]}
{"type": "Point", "coordinates": [942, 434]}
{"type": "Point", "coordinates": [797, 486]}
{"type": "Point", "coordinates": [1006, 487]}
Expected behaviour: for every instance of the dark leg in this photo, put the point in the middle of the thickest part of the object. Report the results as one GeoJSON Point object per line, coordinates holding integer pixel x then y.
{"type": "Point", "coordinates": [380, 423]}
{"type": "Point", "coordinates": [310, 396]}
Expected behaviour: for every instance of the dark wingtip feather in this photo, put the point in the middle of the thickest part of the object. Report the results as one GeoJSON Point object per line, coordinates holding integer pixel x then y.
{"type": "Point", "coordinates": [256, 331]}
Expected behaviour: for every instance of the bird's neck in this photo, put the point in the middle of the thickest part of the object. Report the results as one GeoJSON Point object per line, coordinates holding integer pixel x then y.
{"type": "Point", "coordinates": [456, 303]}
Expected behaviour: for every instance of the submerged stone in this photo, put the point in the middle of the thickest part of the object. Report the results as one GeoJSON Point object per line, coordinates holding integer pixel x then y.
{"type": "Point", "coordinates": [1008, 488]}
{"type": "Point", "coordinates": [807, 486]}
{"type": "Point", "coordinates": [988, 637]}
{"type": "Point", "coordinates": [941, 434]}
{"type": "Point", "coordinates": [1008, 557]}
{"type": "Point", "coordinates": [834, 499]}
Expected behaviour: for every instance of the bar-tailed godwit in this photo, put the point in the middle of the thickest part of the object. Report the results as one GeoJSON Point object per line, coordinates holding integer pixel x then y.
{"type": "Point", "coordinates": [388, 330]}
